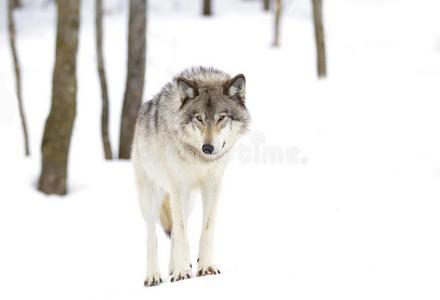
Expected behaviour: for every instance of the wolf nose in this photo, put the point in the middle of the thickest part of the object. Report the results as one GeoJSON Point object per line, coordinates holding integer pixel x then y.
{"type": "Point", "coordinates": [208, 148]}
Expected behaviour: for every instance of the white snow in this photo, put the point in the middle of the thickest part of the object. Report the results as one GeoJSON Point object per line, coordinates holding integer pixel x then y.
{"type": "Point", "coordinates": [348, 208]}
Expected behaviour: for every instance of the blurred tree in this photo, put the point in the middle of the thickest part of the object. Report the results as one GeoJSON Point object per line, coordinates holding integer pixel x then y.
{"type": "Point", "coordinates": [276, 36]}
{"type": "Point", "coordinates": [135, 74]}
{"type": "Point", "coordinates": [59, 124]}
{"type": "Point", "coordinates": [319, 38]}
{"type": "Point", "coordinates": [12, 31]}
{"type": "Point", "coordinates": [266, 5]}
{"type": "Point", "coordinates": [102, 79]}
{"type": "Point", "coordinates": [15, 3]}
{"type": "Point", "coordinates": [207, 8]}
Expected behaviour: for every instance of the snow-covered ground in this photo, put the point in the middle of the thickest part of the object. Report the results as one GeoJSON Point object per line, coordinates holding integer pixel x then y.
{"type": "Point", "coordinates": [347, 208]}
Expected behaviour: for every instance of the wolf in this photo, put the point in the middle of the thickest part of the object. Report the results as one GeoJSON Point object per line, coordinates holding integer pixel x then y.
{"type": "Point", "coordinates": [182, 141]}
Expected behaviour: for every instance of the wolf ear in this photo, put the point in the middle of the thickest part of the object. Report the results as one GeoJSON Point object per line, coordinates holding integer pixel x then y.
{"type": "Point", "coordinates": [187, 88]}
{"type": "Point", "coordinates": [236, 86]}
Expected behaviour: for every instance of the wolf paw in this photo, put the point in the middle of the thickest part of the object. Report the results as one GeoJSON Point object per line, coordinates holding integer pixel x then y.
{"type": "Point", "coordinates": [153, 279]}
{"type": "Point", "coordinates": [208, 270]}
{"type": "Point", "coordinates": [181, 275]}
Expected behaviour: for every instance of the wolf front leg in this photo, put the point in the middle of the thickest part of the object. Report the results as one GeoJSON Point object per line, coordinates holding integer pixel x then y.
{"type": "Point", "coordinates": [210, 197]}
{"type": "Point", "coordinates": [149, 210]}
{"type": "Point", "coordinates": [180, 266]}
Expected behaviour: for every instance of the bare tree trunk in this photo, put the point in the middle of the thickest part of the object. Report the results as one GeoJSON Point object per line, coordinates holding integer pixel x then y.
{"type": "Point", "coordinates": [11, 29]}
{"type": "Point", "coordinates": [319, 37]}
{"type": "Point", "coordinates": [276, 37]}
{"type": "Point", "coordinates": [266, 5]}
{"type": "Point", "coordinates": [207, 8]}
{"type": "Point", "coordinates": [16, 3]}
{"type": "Point", "coordinates": [135, 74]}
{"type": "Point", "coordinates": [103, 81]}
{"type": "Point", "coordinates": [59, 124]}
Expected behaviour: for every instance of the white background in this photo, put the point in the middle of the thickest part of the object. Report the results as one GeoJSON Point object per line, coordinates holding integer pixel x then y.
{"type": "Point", "coordinates": [354, 214]}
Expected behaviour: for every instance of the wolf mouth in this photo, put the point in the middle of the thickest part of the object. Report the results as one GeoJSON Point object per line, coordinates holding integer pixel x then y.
{"type": "Point", "coordinates": [199, 154]}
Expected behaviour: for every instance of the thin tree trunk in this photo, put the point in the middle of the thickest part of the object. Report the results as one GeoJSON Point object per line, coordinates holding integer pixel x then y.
{"type": "Point", "coordinates": [102, 79]}
{"type": "Point", "coordinates": [59, 124]}
{"type": "Point", "coordinates": [12, 32]}
{"type": "Point", "coordinates": [207, 8]}
{"type": "Point", "coordinates": [135, 74]}
{"type": "Point", "coordinates": [319, 38]}
{"type": "Point", "coordinates": [276, 36]}
{"type": "Point", "coordinates": [266, 5]}
{"type": "Point", "coordinates": [16, 3]}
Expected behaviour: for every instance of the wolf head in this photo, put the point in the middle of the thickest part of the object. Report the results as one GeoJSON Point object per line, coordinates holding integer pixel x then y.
{"type": "Point", "coordinates": [213, 111]}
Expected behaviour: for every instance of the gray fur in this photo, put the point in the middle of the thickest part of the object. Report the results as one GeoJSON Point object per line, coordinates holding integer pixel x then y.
{"type": "Point", "coordinates": [159, 115]}
{"type": "Point", "coordinates": [182, 139]}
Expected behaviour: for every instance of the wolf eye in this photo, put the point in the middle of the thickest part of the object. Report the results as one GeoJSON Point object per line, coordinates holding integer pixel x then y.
{"type": "Point", "coordinates": [199, 118]}
{"type": "Point", "coordinates": [221, 118]}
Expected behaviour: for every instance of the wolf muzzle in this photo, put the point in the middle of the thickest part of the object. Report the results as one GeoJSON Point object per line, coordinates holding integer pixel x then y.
{"type": "Point", "coordinates": [208, 148]}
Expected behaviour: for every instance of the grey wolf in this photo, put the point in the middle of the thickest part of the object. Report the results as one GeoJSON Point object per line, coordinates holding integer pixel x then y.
{"type": "Point", "coordinates": [183, 138]}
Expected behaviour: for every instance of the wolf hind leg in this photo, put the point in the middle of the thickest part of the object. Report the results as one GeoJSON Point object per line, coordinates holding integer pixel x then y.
{"type": "Point", "coordinates": [180, 266]}
{"type": "Point", "coordinates": [166, 220]}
